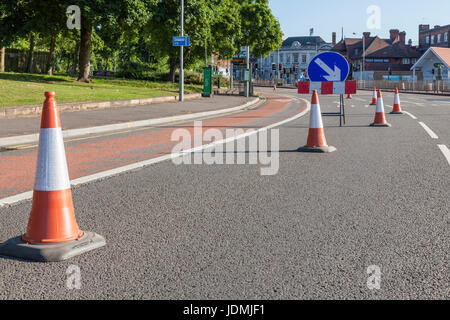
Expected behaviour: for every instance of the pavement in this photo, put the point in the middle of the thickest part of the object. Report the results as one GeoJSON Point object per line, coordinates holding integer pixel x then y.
{"type": "Point", "coordinates": [226, 232]}
{"type": "Point", "coordinates": [100, 117]}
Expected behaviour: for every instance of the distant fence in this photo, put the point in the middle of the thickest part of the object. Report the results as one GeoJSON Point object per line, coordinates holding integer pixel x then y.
{"type": "Point", "coordinates": [419, 86]}
{"type": "Point", "coordinates": [16, 61]}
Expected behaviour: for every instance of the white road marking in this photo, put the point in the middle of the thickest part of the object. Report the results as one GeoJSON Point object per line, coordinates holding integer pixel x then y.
{"type": "Point", "coordinates": [429, 131]}
{"type": "Point", "coordinates": [410, 114]}
{"type": "Point", "coordinates": [138, 165]}
{"type": "Point", "coordinates": [445, 151]}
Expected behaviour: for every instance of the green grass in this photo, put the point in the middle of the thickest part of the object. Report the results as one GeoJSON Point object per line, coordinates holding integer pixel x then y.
{"type": "Point", "coordinates": [17, 89]}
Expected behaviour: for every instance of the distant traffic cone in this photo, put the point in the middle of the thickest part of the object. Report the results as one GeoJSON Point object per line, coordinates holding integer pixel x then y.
{"type": "Point", "coordinates": [52, 233]}
{"type": "Point", "coordinates": [349, 96]}
{"type": "Point", "coordinates": [316, 136]}
{"type": "Point", "coordinates": [374, 97]}
{"type": "Point", "coordinates": [380, 118]}
{"type": "Point", "coordinates": [397, 107]}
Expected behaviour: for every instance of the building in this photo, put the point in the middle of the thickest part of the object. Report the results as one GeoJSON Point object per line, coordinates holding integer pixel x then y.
{"type": "Point", "coordinates": [436, 37]}
{"type": "Point", "coordinates": [382, 57]}
{"type": "Point", "coordinates": [293, 56]}
{"type": "Point", "coordinates": [434, 64]}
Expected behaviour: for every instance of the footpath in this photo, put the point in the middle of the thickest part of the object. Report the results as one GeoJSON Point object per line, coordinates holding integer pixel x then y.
{"type": "Point", "coordinates": [21, 130]}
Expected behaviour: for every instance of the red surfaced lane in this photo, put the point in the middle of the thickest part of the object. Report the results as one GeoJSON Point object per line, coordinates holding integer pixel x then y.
{"type": "Point", "coordinates": [86, 158]}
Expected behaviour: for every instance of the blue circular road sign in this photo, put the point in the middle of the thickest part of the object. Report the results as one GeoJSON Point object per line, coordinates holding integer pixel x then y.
{"type": "Point", "coordinates": [328, 66]}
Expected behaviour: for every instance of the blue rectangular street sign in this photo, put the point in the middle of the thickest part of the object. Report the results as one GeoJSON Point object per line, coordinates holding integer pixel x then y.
{"type": "Point", "coordinates": [181, 41]}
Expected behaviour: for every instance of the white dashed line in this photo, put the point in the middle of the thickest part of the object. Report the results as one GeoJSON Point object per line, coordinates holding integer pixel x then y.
{"type": "Point", "coordinates": [410, 114]}
{"type": "Point", "coordinates": [429, 131]}
{"type": "Point", "coordinates": [445, 151]}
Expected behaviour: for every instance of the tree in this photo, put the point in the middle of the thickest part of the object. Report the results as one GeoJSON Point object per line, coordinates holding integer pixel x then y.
{"type": "Point", "coordinates": [123, 14]}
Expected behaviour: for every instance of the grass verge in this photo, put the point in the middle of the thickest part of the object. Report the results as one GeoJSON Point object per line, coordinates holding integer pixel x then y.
{"type": "Point", "coordinates": [18, 89]}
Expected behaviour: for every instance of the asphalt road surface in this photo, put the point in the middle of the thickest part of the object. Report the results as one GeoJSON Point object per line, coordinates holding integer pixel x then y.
{"type": "Point", "coordinates": [310, 231]}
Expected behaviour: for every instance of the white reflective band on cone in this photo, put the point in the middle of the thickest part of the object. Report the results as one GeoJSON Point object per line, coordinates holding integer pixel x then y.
{"type": "Point", "coordinates": [51, 168]}
{"type": "Point", "coordinates": [380, 105]}
{"type": "Point", "coordinates": [315, 120]}
{"type": "Point", "coordinates": [396, 99]}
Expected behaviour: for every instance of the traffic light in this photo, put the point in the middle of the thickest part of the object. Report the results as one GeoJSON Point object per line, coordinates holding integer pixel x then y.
{"type": "Point", "coordinates": [256, 67]}
{"type": "Point", "coordinates": [274, 67]}
{"type": "Point", "coordinates": [280, 67]}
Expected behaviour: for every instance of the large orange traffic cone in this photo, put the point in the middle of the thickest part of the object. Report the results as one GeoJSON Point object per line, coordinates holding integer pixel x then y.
{"type": "Point", "coordinates": [397, 107]}
{"type": "Point", "coordinates": [380, 118]}
{"type": "Point", "coordinates": [52, 233]}
{"type": "Point", "coordinates": [374, 97]}
{"type": "Point", "coordinates": [316, 135]}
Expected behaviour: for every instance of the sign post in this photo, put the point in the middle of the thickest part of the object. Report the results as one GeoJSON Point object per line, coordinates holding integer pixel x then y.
{"type": "Point", "coordinates": [330, 67]}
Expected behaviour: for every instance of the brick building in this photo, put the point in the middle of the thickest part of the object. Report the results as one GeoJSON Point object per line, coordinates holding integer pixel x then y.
{"type": "Point", "coordinates": [382, 57]}
{"type": "Point", "coordinates": [436, 37]}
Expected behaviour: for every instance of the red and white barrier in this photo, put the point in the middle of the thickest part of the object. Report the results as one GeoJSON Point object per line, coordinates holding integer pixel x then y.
{"type": "Point", "coordinates": [331, 87]}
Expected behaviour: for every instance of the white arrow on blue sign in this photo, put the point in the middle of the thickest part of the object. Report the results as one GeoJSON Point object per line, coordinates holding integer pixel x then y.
{"type": "Point", "coordinates": [328, 66]}
{"type": "Point", "coordinates": [181, 41]}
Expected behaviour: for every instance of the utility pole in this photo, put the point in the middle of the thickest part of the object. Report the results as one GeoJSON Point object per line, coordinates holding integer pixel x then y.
{"type": "Point", "coordinates": [181, 55]}
{"type": "Point", "coordinates": [247, 83]}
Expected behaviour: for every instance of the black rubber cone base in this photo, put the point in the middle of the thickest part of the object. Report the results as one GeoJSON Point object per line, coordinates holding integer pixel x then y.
{"type": "Point", "coordinates": [395, 112]}
{"type": "Point", "coordinates": [381, 125]}
{"type": "Point", "coordinates": [317, 150]}
{"type": "Point", "coordinates": [51, 252]}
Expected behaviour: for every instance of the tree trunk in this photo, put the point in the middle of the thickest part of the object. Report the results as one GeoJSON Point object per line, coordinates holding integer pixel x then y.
{"type": "Point", "coordinates": [85, 50]}
{"type": "Point", "coordinates": [74, 68]}
{"type": "Point", "coordinates": [2, 59]}
{"type": "Point", "coordinates": [51, 54]}
{"type": "Point", "coordinates": [173, 67]}
{"type": "Point", "coordinates": [30, 55]}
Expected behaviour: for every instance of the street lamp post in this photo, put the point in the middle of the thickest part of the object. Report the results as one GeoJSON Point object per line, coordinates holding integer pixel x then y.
{"type": "Point", "coordinates": [181, 55]}
{"type": "Point", "coordinates": [362, 68]}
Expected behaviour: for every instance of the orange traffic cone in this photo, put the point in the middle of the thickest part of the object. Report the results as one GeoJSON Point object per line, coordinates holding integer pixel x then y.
{"type": "Point", "coordinates": [374, 97]}
{"type": "Point", "coordinates": [52, 233]}
{"type": "Point", "coordinates": [380, 118]}
{"type": "Point", "coordinates": [316, 136]}
{"type": "Point", "coordinates": [397, 108]}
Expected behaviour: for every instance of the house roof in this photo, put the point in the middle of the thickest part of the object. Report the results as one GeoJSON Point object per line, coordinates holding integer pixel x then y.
{"type": "Point", "coordinates": [304, 41]}
{"type": "Point", "coordinates": [376, 48]}
{"type": "Point", "coordinates": [442, 54]}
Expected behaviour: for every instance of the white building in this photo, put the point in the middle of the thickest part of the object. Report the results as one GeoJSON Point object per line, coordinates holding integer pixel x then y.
{"type": "Point", "coordinates": [295, 51]}
{"type": "Point", "coordinates": [431, 60]}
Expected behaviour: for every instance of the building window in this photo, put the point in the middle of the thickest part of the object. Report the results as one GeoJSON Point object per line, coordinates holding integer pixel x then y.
{"type": "Point", "coordinates": [414, 61]}
{"type": "Point", "coordinates": [271, 59]}
{"type": "Point", "coordinates": [446, 37]}
{"type": "Point", "coordinates": [406, 61]}
{"type": "Point", "coordinates": [427, 39]}
{"type": "Point", "coordinates": [439, 38]}
{"type": "Point", "coordinates": [432, 39]}
{"type": "Point", "coordinates": [304, 58]}
{"type": "Point", "coordinates": [295, 57]}
{"type": "Point", "coordinates": [288, 58]}
{"type": "Point", "coordinates": [281, 58]}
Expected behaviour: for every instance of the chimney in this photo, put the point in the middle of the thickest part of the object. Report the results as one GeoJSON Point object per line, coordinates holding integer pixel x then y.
{"type": "Point", "coordinates": [424, 27]}
{"type": "Point", "coordinates": [333, 38]}
{"type": "Point", "coordinates": [403, 37]}
{"type": "Point", "coordinates": [366, 37]}
{"type": "Point", "coordinates": [394, 34]}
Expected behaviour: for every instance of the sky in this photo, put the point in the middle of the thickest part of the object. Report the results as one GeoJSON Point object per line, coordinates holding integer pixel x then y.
{"type": "Point", "coordinates": [297, 17]}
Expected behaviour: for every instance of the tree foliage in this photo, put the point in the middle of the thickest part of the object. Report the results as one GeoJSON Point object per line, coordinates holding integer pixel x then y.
{"type": "Point", "coordinates": [120, 32]}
